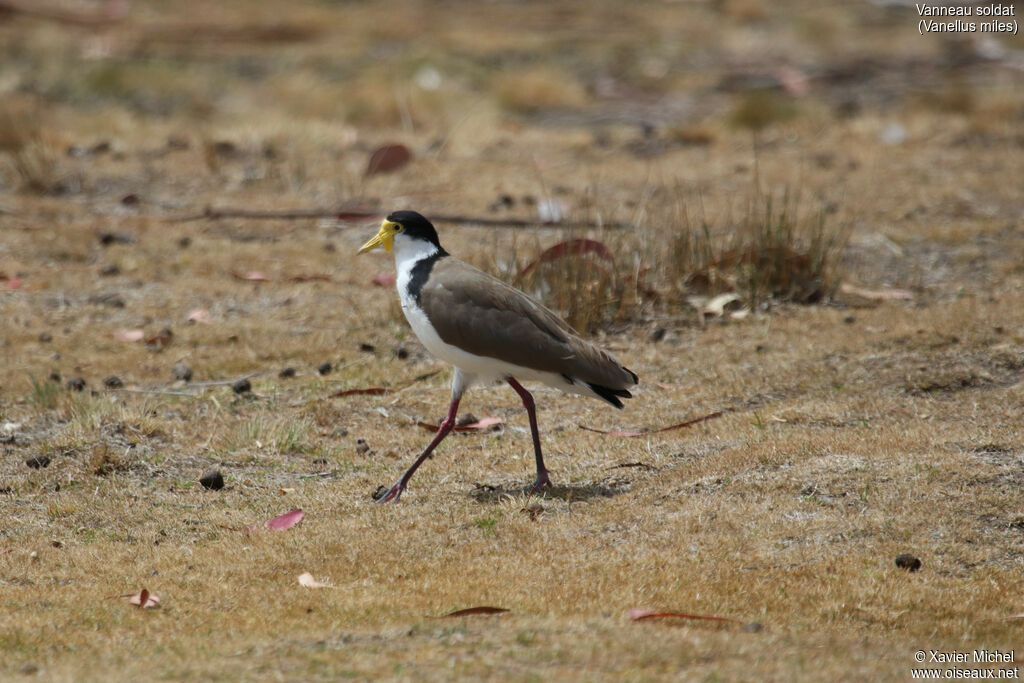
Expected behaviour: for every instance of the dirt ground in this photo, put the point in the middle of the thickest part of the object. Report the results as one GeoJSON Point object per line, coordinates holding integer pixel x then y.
{"type": "Point", "coordinates": [882, 419]}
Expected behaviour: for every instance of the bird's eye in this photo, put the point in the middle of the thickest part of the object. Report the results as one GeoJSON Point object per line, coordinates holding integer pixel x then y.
{"type": "Point", "coordinates": [398, 227]}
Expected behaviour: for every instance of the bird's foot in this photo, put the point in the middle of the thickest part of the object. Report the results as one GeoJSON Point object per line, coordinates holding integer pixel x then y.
{"type": "Point", "coordinates": [393, 494]}
{"type": "Point", "coordinates": [543, 482]}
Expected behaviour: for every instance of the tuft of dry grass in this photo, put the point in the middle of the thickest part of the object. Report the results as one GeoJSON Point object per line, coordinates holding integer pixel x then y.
{"type": "Point", "coordinates": [538, 89]}
{"type": "Point", "coordinates": [29, 152]}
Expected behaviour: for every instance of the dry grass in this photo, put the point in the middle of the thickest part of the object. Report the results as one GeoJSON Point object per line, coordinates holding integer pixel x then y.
{"type": "Point", "coordinates": [853, 430]}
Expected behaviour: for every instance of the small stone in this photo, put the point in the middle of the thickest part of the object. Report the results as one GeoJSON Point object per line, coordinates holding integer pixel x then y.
{"type": "Point", "coordinates": [113, 382]}
{"type": "Point", "coordinates": [108, 238]}
{"type": "Point", "coordinates": [340, 431]}
{"type": "Point", "coordinates": [54, 377]}
{"type": "Point", "coordinates": [850, 319]}
{"type": "Point", "coordinates": [752, 627]}
{"type": "Point", "coordinates": [362, 446]}
{"type": "Point", "coordinates": [241, 386]}
{"type": "Point", "coordinates": [908, 562]}
{"type": "Point", "coordinates": [324, 368]}
{"type": "Point", "coordinates": [182, 372]}
{"type": "Point", "coordinates": [657, 334]}
{"type": "Point", "coordinates": [29, 669]}
{"type": "Point", "coordinates": [56, 544]}
{"type": "Point", "coordinates": [130, 199]}
{"type": "Point", "coordinates": [401, 353]}
{"type": "Point", "coordinates": [75, 384]}
{"type": "Point", "coordinates": [45, 337]}
{"type": "Point", "coordinates": [185, 242]}
{"type": "Point", "coordinates": [212, 479]}
{"type": "Point", "coordinates": [286, 373]}
{"type": "Point", "coordinates": [367, 348]}
{"type": "Point", "coordinates": [38, 462]}
{"type": "Point", "coordinates": [110, 270]}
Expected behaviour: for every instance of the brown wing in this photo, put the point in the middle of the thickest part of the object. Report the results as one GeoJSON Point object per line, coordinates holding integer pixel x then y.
{"type": "Point", "coordinates": [483, 315]}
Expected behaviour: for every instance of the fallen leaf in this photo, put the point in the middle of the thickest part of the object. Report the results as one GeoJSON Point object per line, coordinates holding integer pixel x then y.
{"type": "Point", "coordinates": [285, 521]}
{"type": "Point", "coordinates": [160, 340]}
{"type": "Point", "coordinates": [199, 315]}
{"type": "Point", "coordinates": [485, 423]}
{"type": "Point", "coordinates": [573, 247]}
{"type": "Point", "coordinates": [129, 335]}
{"type": "Point", "coordinates": [716, 306]}
{"type": "Point", "coordinates": [252, 276]}
{"type": "Point", "coordinates": [350, 216]}
{"type": "Point", "coordinates": [314, 277]}
{"type": "Point", "coordinates": [306, 579]}
{"type": "Point", "coordinates": [876, 294]}
{"type": "Point", "coordinates": [371, 391]}
{"type": "Point", "coordinates": [143, 599]}
{"type": "Point", "coordinates": [377, 391]}
{"type": "Point", "coordinates": [631, 433]}
{"type": "Point", "coordinates": [470, 611]}
{"type": "Point", "coordinates": [388, 158]}
{"type": "Point", "coordinates": [383, 280]}
{"type": "Point", "coordinates": [640, 614]}
{"type": "Point", "coordinates": [14, 282]}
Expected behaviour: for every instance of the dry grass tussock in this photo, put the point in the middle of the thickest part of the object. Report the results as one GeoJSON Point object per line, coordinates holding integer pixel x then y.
{"type": "Point", "coordinates": [138, 352]}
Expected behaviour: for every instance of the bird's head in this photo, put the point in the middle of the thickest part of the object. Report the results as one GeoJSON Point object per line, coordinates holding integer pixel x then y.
{"type": "Point", "coordinates": [402, 227]}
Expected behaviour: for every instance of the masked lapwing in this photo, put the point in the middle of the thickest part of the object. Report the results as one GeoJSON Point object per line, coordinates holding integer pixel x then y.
{"type": "Point", "coordinates": [489, 331]}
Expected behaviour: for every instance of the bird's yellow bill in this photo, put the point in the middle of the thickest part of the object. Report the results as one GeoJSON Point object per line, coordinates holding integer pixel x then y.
{"type": "Point", "coordinates": [385, 237]}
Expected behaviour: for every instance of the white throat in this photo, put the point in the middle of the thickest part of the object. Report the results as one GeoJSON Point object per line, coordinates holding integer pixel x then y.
{"type": "Point", "coordinates": [408, 251]}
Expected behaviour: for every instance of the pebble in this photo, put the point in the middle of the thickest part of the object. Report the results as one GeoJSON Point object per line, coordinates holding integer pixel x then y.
{"type": "Point", "coordinates": [286, 373]}
{"type": "Point", "coordinates": [113, 382]}
{"type": "Point", "coordinates": [75, 384]}
{"type": "Point", "coordinates": [241, 386]}
{"type": "Point", "coordinates": [182, 372]}
{"type": "Point", "coordinates": [324, 368]}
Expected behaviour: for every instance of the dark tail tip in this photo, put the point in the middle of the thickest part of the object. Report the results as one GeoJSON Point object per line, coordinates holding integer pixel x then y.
{"type": "Point", "coordinates": [610, 395]}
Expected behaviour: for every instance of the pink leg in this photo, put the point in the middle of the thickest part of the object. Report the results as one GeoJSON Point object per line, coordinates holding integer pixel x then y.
{"type": "Point", "coordinates": [446, 426]}
{"type": "Point", "coordinates": [543, 481]}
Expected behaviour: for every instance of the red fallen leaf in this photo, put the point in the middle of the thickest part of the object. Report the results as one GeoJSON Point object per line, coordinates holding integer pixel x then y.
{"type": "Point", "coordinates": [630, 433]}
{"type": "Point", "coordinates": [285, 521]}
{"type": "Point", "coordinates": [14, 282]}
{"type": "Point", "coordinates": [573, 247]}
{"type": "Point", "coordinates": [252, 276]}
{"type": "Point", "coordinates": [129, 335]}
{"type": "Point", "coordinates": [485, 423]}
{"type": "Point", "coordinates": [371, 391]}
{"type": "Point", "coordinates": [377, 391]}
{"type": "Point", "coordinates": [640, 614]}
{"type": "Point", "coordinates": [143, 599]}
{"type": "Point", "coordinates": [199, 315]}
{"type": "Point", "coordinates": [315, 277]}
{"type": "Point", "coordinates": [388, 158]}
{"type": "Point", "coordinates": [470, 611]}
{"type": "Point", "coordinates": [383, 280]}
